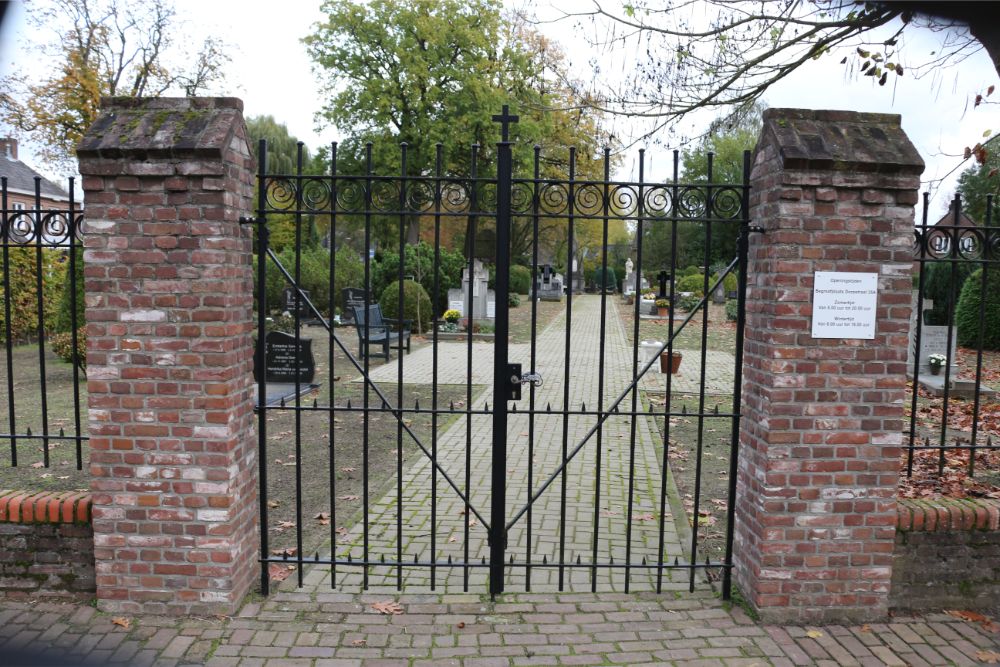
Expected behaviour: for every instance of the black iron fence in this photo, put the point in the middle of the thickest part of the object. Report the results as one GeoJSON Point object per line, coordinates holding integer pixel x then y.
{"type": "Point", "coordinates": [42, 333]}
{"type": "Point", "coordinates": [434, 468]}
{"type": "Point", "coordinates": [954, 426]}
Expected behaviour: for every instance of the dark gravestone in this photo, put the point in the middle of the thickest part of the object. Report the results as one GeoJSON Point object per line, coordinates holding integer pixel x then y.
{"type": "Point", "coordinates": [354, 297]}
{"type": "Point", "coordinates": [287, 362]}
{"type": "Point", "coordinates": [662, 277]}
{"type": "Point", "coordinates": [289, 302]}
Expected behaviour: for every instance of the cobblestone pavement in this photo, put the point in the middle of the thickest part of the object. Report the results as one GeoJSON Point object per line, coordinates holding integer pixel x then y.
{"type": "Point", "coordinates": [719, 373]}
{"type": "Point", "coordinates": [587, 510]}
{"type": "Point", "coordinates": [328, 629]}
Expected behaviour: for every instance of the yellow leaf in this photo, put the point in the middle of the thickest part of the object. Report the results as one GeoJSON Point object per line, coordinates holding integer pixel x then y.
{"type": "Point", "coordinates": [815, 634]}
{"type": "Point", "coordinates": [125, 623]}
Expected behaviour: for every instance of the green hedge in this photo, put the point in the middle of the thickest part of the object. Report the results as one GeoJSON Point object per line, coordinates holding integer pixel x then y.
{"type": "Point", "coordinates": [967, 311]}
{"type": "Point", "coordinates": [23, 295]}
{"type": "Point", "coordinates": [416, 304]}
{"type": "Point", "coordinates": [691, 283]}
{"type": "Point", "coordinates": [315, 276]}
{"type": "Point", "coordinates": [520, 279]}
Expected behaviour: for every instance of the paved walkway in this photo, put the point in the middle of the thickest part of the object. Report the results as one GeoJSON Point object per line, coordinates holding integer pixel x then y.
{"type": "Point", "coordinates": [326, 629]}
{"type": "Point", "coordinates": [562, 523]}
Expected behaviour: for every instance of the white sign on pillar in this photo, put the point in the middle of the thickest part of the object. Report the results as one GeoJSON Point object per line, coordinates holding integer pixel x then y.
{"type": "Point", "coordinates": [844, 305]}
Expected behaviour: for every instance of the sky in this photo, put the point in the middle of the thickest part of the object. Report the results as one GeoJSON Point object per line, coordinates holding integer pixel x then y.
{"type": "Point", "coordinates": [272, 73]}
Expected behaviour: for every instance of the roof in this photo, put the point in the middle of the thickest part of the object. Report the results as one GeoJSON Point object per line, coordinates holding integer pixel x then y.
{"type": "Point", "coordinates": [21, 178]}
{"type": "Point", "coordinates": [948, 219]}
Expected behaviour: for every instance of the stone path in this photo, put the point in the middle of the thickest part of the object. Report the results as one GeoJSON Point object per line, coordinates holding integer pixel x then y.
{"type": "Point", "coordinates": [719, 373]}
{"type": "Point", "coordinates": [461, 536]}
{"type": "Point", "coordinates": [328, 629]}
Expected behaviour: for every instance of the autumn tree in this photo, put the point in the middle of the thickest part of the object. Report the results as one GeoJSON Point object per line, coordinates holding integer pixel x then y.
{"type": "Point", "coordinates": [131, 48]}
{"type": "Point", "coordinates": [428, 73]}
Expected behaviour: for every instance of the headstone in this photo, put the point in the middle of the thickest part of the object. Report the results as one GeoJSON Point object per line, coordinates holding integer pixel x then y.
{"type": "Point", "coordinates": [476, 287]}
{"type": "Point", "coordinates": [455, 300]}
{"type": "Point", "coordinates": [287, 360]}
{"type": "Point", "coordinates": [933, 340]}
{"type": "Point", "coordinates": [288, 301]}
{"type": "Point", "coordinates": [662, 278]}
{"type": "Point", "coordinates": [548, 284]}
{"type": "Point", "coordinates": [354, 297]}
{"type": "Point", "coordinates": [491, 307]}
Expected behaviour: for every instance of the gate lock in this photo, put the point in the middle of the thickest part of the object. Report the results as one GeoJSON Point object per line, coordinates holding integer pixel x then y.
{"type": "Point", "coordinates": [517, 379]}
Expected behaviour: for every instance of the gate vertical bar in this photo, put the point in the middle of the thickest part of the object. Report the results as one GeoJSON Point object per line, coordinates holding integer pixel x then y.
{"type": "Point", "coordinates": [501, 377]}
{"type": "Point", "coordinates": [40, 313]}
{"type": "Point", "coordinates": [8, 342]}
{"type": "Point", "coordinates": [260, 361]}
{"type": "Point", "coordinates": [74, 243]}
{"type": "Point", "coordinates": [743, 250]}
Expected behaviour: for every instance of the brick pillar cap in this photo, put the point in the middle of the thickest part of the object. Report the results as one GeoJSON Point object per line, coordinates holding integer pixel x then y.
{"type": "Point", "coordinates": [841, 141]}
{"type": "Point", "coordinates": [162, 127]}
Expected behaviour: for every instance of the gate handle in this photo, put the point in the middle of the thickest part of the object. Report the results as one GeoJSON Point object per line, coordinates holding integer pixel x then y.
{"type": "Point", "coordinates": [534, 378]}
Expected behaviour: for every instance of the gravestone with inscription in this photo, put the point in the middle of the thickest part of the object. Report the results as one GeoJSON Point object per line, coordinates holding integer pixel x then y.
{"type": "Point", "coordinates": [288, 302]}
{"type": "Point", "coordinates": [933, 340]}
{"type": "Point", "coordinates": [286, 360]}
{"type": "Point", "coordinates": [548, 284]}
{"type": "Point", "coordinates": [476, 286]}
{"type": "Point", "coordinates": [354, 297]}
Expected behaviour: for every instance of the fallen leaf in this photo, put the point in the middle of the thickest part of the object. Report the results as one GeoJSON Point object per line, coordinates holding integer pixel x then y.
{"type": "Point", "coordinates": [866, 628]}
{"type": "Point", "coordinates": [125, 623]}
{"type": "Point", "coordinates": [453, 539]}
{"type": "Point", "coordinates": [988, 657]}
{"type": "Point", "coordinates": [348, 469]}
{"type": "Point", "coordinates": [287, 551]}
{"type": "Point", "coordinates": [349, 498]}
{"type": "Point", "coordinates": [815, 634]}
{"type": "Point", "coordinates": [284, 525]}
{"type": "Point", "coordinates": [47, 475]}
{"type": "Point", "coordinates": [644, 517]}
{"type": "Point", "coordinates": [388, 607]}
{"type": "Point", "coordinates": [322, 515]}
{"type": "Point", "coordinates": [461, 625]}
{"type": "Point", "coordinates": [472, 521]}
{"type": "Point", "coordinates": [280, 572]}
{"type": "Point", "coordinates": [273, 503]}
{"type": "Point", "coordinates": [359, 642]}
{"type": "Point", "coordinates": [38, 464]}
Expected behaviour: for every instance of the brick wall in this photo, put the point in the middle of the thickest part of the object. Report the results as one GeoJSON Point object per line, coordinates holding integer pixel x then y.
{"type": "Point", "coordinates": [822, 419]}
{"type": "Point", "coordinates": [46, 546]}
{"type": "Point", "coordinates": [947, 555]}
{"type": "Point", "coordinates": [169, 354]}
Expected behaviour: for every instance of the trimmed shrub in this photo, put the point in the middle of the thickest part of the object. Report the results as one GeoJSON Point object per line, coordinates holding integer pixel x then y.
{"type": "Point", "coordinates": [315, 276]}
{"type": "Point", "coordinates": [416, 304]}
{"type": "Point", "coordinates": [730, 284]}
{"type": "Point", "coordinates": [62, 346]}
{"type": "Point", "coordinates": [689, 271]}
{"type": "Point", "coordinates": [63, 321]}
{"type": "Point", "coordinates": [691, 283]}
{"type": "Point", "coordinates": [937, 287]}
{"type": "Point", "coordinates": [967, 311]}
{"type": "Point", "coordinates": [513, 300]}
{"type": "Point", "coordinates": [23, 296]}
{"type": "Point", "coordinates": [520, 279]}
{"type": "Point", "coordinates": [688, 303]}
{"type": "Point", "coordinates": [732, 310]}
{"type": "Point", "coordinates": [610, 280]}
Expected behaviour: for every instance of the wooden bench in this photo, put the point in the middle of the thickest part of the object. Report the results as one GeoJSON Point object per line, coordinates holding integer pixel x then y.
{"type": "Point", "coordinates": [380, 331]}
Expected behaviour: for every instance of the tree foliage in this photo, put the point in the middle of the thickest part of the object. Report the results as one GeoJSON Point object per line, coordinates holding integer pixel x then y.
{"type": "Point", "coordinates": [429, 73]}
{"type": "Point", "coordinates": [976, 184]}
{"type": "Point", "coordinates": [101, 48]}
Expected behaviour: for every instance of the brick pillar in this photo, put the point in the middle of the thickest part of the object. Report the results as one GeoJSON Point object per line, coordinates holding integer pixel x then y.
{"type": "Point", "coordinates": [169, 309]}
{"type": "Point", "coordinates": [823, 417]}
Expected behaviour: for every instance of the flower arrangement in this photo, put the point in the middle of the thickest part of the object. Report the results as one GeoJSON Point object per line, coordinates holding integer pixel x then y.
{"type": "Point", "coordinates": [649, 296]}
{"type": "Point", "coordinates": [452, 316]}
{"type": "Point", "coordinates": [937, 360]}
{"type": "Point", "coordinates": [662, 303]}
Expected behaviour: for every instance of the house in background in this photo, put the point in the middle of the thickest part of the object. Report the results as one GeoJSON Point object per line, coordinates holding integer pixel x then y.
{"type": "Point", "coordinates": [940, 244]}
{"type": "Point", "coordinates": [21, 183]}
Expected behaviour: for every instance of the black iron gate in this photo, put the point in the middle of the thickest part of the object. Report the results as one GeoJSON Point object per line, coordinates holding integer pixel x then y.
{"type": "Point", "coordinates": [466, 497]}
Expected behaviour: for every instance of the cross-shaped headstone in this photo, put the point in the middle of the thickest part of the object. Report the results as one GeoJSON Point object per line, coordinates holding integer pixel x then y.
{"type": "Point", "coordinates": [505, 119]}
{"type": "Point", "coordinates": [662, 276]}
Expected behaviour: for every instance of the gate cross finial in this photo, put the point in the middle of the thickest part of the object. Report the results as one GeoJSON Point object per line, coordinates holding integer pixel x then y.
{"type": "Point", "coordinates": [505, 119]}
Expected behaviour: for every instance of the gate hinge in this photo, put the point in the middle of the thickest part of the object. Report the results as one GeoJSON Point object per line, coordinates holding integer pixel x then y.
{"type": "Point", "coordinates": [757, 228]}
{"type": "Point", "coordinates": [249, 220]}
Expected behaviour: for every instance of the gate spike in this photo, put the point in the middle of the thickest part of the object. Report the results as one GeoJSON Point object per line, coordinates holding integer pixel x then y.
{"type": "Point", "coordinates": [578, 559]}
{"type": "Point", "coordinates": [612, 560]}
{"type": "Point", "coordinates": [716, 408]}
{"type": "Point", "coordinates": [385, 406]}
{"type": "Point", "coordinates": [684, 409]}
{"type": "Point", "coordinates": [382, 558]}
{"type": "Point", "coordinates": [316, 556]}
{"type": "Point", "coordinates": [349, 559]}
{"type": "Point", "coordinates": [643, 560]}
{"type": "Point", "coordinates": [414, 558]}
{"type": "Point", "coordinates": [545, 560]}
{"type": "Point", "coordinates": [348, 403]}
{"type": "Point", "coordinates": [650, 408]}
{"type": "Point", "coordinates": [416, 405]}
{"type": "Point", "coordinates": [483, 561]}
{"type": "Point", "coordinates": [282, 401]}
{"type": "Point", "coordinates": [616, 409]}
{"type": "Point", "coordinates": [449, 559]}
{"type": "Point", "coordinates": [62, 433]}
{"type": "Point", "coordinates": [451, 406]}
{"type": "Point", "coordinates": [284, 554]}
{"type": "Point", "coordinates": [486, 406]}
{"type": "Point", "coordinates": [29, 431]}
{"type": "Point", "coordinates": [583, 406]}
{"type": "Point", "coordinates": [315, 404]}
{"type": "Point", "coordinates": [512, 559]}
{"type": "Point", "coordinates": [514, 407]}
{"type": "Point", "coordinates": [548, 407]}
{"type": "Point", "coordinates": [676, 562]}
